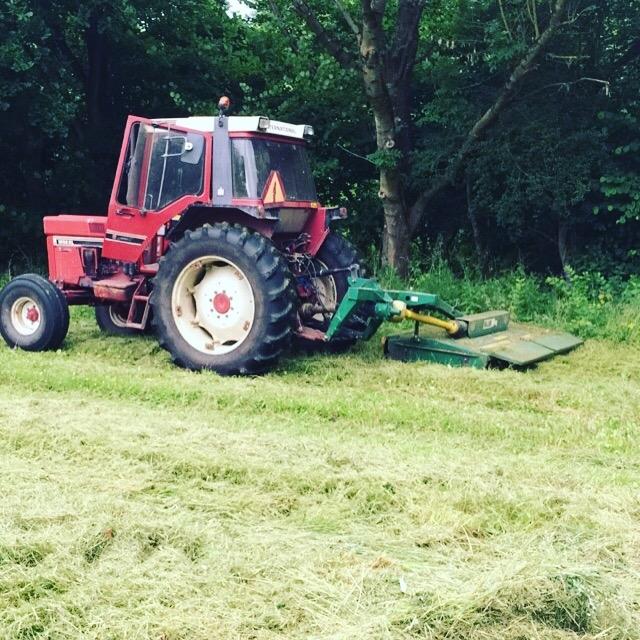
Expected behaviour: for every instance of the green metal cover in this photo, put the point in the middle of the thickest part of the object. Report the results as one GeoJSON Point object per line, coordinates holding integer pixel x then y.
{"type": "Point", "coordinates": [517, 352]}
{"type": "Point", "coordinates": [523, 345]}
{"type": "Point", "coordinates": [408, 348]}
{"type": "Point", "coordinates": [559, 342]}
{"type": "Point", "coordinates": [482, 324]}
{"type": "Point", "coordinates": [519, 346]}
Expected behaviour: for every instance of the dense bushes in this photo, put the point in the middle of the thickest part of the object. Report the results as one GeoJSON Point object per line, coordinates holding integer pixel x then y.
{"type": "Point", "coordinates": [585, 303]}
{"type": "Point", "coordinates": [554, 183]}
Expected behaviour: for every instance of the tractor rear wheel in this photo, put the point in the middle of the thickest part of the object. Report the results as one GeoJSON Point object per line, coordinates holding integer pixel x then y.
{"type": "Point", "coordinates": [336, 252]}
{"type": "Point", "coordinates": [223, 300]}
{"type": "Point", "coordinates": [34, 314]}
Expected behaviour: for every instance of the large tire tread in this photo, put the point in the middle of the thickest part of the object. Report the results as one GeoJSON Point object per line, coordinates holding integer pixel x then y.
{"type": "Point", "coordinates": [55, 312]}
{"type": "Point", "coordinates": [107, 325]}
{"type": "Point", "coordinates": [337, 253]}
{"type": "Point", "coordinates": [272, 337]}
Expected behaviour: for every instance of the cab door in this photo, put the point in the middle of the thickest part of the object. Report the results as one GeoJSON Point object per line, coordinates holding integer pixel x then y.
{"type": "Point", "coordinates": [160, 173]}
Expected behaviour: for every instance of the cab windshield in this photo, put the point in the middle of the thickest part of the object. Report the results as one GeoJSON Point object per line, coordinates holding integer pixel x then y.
{"type": "Point", "coordinates": [254, 159]}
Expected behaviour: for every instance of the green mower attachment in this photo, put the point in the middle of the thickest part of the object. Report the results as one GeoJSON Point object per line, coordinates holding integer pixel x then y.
{"type": "Point", "coordinates": [477, 340]}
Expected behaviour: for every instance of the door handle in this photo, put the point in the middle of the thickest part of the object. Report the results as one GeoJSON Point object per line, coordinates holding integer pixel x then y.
{"type": "Point", "coordinates": [126, 211]}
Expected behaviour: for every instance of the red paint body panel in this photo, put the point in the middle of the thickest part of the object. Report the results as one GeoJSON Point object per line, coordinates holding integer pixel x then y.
{"type": "Point", "coordinates": [67, 237]}
{"type": "Point", "coordinates": [141, 227]}
{"type": "Point", "coordinates": [318, 229]}
{"type": "Point", "coordinates": [75, 225]}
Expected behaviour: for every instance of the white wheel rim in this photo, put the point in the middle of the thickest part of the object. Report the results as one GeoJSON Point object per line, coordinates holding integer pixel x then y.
{"type": "Point", "coordinates": [213, 306]}
{"type": "Point", "coordinates": [116, 318]}
{"type": "Point", "coordinates": [26, 316]}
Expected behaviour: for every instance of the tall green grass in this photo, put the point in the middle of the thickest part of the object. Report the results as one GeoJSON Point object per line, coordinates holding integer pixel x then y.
{"type": "Point", "coordinates": [339, 497]}
{"type": "Point", "coordinates": [585, 303]}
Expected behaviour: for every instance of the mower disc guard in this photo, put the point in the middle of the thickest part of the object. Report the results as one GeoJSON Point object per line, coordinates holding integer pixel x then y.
{"type": "Point", "coordinates": [518, 346]}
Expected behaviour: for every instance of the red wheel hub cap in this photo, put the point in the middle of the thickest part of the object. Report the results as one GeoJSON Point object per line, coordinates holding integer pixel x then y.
{"type": "Point", "coordinates": [33, 315]}
{"type": "Point", "coordinates": [221, 303]}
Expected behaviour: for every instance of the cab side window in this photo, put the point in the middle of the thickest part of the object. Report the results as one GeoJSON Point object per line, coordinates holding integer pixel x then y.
{"type": "Point", "coordinates": [161, 166]}
{"type": "Point", "coordinates": [129, 187]}
{"type": "Point", "coordinates": [176, 167]}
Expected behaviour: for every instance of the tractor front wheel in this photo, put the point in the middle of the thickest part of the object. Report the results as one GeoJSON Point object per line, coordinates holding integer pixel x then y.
{"type": "Point", "coordinates": [223, 300]}
{"type": "Point", "coordinates": [34, 314]}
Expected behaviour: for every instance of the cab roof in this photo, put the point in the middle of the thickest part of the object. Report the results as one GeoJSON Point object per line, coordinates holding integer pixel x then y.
{"type": "Point", "coordinates": [257, 124]}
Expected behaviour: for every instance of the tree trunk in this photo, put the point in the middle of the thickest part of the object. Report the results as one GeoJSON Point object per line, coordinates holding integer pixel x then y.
{"type": "Point", "coordinates": [395, 238]}
{"type": "Point", "coordinates": [475, 228]}
{"type": "Point", "coordinates": [97, 68]}
{"type": "Point", "coordinates": [395, 241]}
{"type": "Point", "coordinates": [563, 234]}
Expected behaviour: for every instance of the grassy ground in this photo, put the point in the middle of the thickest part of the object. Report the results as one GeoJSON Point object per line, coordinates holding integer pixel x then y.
{"type": "Point", "coordinates": [339, 497]}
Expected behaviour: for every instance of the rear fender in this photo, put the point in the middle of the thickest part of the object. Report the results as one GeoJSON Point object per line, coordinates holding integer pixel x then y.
{"type": "Point", "coordinates": [317, 227]}
{"type": "Point", "coordinates": [319, 223]}
{"type": "Point", "coordinates": [199, 216]}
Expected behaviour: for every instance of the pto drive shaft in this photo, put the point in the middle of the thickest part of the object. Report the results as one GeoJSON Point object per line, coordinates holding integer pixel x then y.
{"type": "Point", "coordinates": [455, 328]}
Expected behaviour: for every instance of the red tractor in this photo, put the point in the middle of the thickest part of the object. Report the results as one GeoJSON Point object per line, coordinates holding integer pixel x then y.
{"type": "Point", "coordinates": [213, 236]}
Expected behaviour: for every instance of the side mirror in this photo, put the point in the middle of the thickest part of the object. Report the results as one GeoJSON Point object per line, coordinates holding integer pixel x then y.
{"type": "Point", "coordinates": [193, 147]}
{"type": "Point", "coordinates": [186, 147]}
{"type": "Point", "coordinates": [174, 146]}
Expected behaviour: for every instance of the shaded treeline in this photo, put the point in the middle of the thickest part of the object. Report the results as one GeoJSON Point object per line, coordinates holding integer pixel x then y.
{"type": "Point", "coordinates": [506, 131]}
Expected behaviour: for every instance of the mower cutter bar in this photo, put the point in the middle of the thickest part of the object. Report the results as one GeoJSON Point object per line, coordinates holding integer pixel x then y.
{"type": "Point", "coordinates": [476, 340]}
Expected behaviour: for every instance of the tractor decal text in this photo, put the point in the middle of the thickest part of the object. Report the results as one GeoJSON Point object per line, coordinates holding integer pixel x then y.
{"type": "Point", "coordinates": [71, 241]}
{"type": "Point", "coordinates": [114, 236]}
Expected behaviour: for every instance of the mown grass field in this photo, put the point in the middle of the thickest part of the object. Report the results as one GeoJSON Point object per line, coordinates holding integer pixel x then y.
{"type": "Point", "coordinates": [339, 497]}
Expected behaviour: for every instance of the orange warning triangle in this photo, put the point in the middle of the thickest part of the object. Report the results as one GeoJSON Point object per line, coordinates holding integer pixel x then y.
{"type": "Point", "coordinates": [274, 189]}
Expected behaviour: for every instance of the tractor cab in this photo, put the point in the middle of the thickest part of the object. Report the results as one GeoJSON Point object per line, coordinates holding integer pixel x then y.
{"type": "Point", "coordinates": [165, 161]}
{"type": "Point", "coordinates": [177, 172]}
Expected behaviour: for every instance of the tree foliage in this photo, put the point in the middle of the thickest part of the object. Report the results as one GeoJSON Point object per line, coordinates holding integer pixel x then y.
{"type": "Point", "coordinates": [553, 180]}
